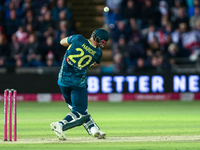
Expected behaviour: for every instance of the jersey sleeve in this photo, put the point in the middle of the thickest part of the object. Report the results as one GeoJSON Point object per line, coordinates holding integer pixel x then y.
{"type": "Point", "coordinates": [72, 38]}
{"type": "Point", "coordinates": [98, 61]}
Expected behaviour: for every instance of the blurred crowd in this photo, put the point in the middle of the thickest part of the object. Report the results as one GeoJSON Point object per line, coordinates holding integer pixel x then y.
{"type": "Point", "coordinates": [153, 35]}
{"type": "Point", "coordinates": [30, 31]}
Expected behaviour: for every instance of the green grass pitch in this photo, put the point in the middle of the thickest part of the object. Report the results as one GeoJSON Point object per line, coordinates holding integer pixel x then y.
{"type": "Point", "coordinates": [129, 126]}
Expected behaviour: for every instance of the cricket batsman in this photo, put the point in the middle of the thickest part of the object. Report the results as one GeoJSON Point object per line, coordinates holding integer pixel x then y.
{"type": "Point", "coordinates": [72, 80]}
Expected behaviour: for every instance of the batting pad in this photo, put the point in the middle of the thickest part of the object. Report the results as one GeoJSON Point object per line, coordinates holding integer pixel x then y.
{"type": "Point", "coordinates": [87, 125]}
{"type": "Point", "coordinates": [74, 122]}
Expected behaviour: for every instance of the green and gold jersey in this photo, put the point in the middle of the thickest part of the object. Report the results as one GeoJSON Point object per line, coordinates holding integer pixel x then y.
{"type": "Point", "coordinates": [79, 56]}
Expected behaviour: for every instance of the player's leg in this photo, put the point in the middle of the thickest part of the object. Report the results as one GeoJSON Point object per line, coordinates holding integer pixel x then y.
{"type": "Point", "coordinates": [91, 127]}
{"type": "Point", "coordinates": [66, 92]}
{"type": "Point", "coordinates": [79, 105]}
{"type": "Point", "coordinates": [56, 126]}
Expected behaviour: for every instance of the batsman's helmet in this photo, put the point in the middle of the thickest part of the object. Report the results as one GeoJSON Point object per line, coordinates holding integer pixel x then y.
{"type": "Point", "coordinates": [101, 36]}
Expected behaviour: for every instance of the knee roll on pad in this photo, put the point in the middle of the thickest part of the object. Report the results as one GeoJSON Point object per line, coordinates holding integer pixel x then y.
{"type": "Point", "coordinates": [75, 121]}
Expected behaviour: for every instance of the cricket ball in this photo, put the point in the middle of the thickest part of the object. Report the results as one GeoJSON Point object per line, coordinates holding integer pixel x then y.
{"type": "Point", "coordinates": [106, 9]}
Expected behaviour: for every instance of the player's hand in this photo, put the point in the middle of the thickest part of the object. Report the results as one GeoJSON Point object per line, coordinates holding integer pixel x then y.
{"type": "Point", "coordinates": [95, 64]}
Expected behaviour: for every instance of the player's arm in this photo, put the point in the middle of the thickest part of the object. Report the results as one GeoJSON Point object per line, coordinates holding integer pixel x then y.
{"type": "Point", "coordinates": [64, 42]}
{"type": "Point", "coordinates": [97, 61]}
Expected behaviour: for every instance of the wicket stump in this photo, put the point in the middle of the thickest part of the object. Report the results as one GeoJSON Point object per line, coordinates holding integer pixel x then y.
{"type": "Point", "coordinates": [9, 96]}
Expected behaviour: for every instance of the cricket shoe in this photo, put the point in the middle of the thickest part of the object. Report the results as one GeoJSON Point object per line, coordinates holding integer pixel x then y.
{"type": "Point", "coordinates": [57, 128]}
{"type": "Point", "coordinates": [97, 133]}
